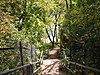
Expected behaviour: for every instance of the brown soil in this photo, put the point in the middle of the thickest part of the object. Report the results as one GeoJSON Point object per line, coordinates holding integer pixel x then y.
{"type": "Point", "coordinates": [51, 65]}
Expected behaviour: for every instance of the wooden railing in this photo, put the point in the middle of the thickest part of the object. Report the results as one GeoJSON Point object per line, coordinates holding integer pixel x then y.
{"type": "Point", "coordinates": [86, 67]}
{"type": "Point", "coordinates": [79, 65]}
{"type": "Point", "coordinates": [27, 69]}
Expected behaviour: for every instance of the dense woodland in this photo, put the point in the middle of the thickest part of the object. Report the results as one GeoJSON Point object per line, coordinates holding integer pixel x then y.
{"type": "Point", "coordinates": [73, 24]}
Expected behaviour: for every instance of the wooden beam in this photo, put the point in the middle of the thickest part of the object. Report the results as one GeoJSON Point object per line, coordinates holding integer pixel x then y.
{"type": "Point", "coordinates": [13, 70]}
{"type": "Point", "coordinates": [7, 48]}
{"type": "Point", "coordinates": [86, 67]}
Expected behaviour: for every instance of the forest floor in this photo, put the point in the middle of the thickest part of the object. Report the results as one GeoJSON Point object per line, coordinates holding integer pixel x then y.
{"type": "Point", "coordinates": [51, 66]}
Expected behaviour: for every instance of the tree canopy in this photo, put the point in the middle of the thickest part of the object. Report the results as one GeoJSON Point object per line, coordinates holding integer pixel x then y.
{"type": "Point", "coordinates": [76, 23]}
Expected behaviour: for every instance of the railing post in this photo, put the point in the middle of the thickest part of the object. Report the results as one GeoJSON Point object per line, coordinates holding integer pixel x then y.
{"type": "Point", "coordinates": [33, 56]}
{"type": "Point", "coordinates": [30, 70]}
{"type": "Point", "coordinates": [33, 51]}
{"type": "Point", "coordinates": [21, 55]}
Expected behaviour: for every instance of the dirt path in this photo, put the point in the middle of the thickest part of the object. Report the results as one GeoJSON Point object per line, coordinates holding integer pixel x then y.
{"type": "Point", "coordinates": [53, 53]}
{"type": "Point", "coordinates": [51, 65]}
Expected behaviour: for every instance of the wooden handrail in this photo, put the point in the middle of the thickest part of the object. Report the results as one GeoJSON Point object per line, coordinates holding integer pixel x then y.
{"type": "Point", "coordinates": [7, 48]}
{"type": "Point", "coordinates": [86, 67]}
{"type": "Point", "coordinates": [23, 66]}
{"type": "Point", "coordinates": [41, 57]}
{"type": "Point", "coordinates": [18, 68]}
{"type": "Point", "coordinates": [37, 70]}
{"type": "Point", "coordinates": [12, 70]}
{"type": "Point", "coordinates": [14, 48]}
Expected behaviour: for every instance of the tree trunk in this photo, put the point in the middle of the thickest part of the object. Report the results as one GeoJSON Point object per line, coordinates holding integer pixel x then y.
{"type": "Point", "coordinates": [54, 33]}
{"type": "Point", "coordinates": [55, 29]}
{"type": "Point", "coordinates": [66, 4]}
{"type": "Point", "coordinates": [48, 35]}
{"type": "Point", "coordinates": [70, 4]}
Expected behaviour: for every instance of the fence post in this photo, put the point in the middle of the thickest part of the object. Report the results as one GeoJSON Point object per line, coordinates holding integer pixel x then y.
{"type": "Point", "coordinates": [33, 54]}
{"type": "Point", "coordinates": [21, 55]}
{"type": "Point", "coordinates": [30, 69]}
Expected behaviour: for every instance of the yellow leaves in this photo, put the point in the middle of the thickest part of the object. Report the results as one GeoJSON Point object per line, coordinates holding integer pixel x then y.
{"type": "Point", "coordinates": [3, 29]}
{"type": "Point", "coordinates": [15, 1]}
{"type": "Point", "coordinates": [5, 21]}
{"type": "Point", "coordinates": [2, 23]}
{"type": "Point", "coordinates": [4, 17]}
{"type": "Point", "coordinates": [7, 29]}
{"type": "Point", "coordinates": [90, 17]}
{"type": "Point", "coordinates": [47, 5]}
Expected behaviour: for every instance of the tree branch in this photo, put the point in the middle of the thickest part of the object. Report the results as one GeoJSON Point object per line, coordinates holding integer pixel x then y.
{"type": "Point", "coordinates": [66, 4]}
{"type": "Point", "coordinates": [49, 36]}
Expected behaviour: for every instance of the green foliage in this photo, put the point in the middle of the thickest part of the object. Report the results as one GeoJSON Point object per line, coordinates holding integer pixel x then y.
{"type": "Point", "coordinates": [18, 22]}
{"type": "Point", "coordinates": [45, 48]}
{"type": "Point", "coordinates": [27, 20]}
{"type": "Point", "coordinates": [8, 60]}
{"type": "Point", "coordinates": [79, 32]}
